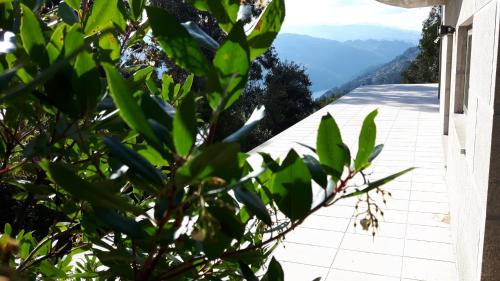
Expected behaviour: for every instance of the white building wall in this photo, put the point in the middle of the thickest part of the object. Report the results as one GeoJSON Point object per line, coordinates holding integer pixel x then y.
{"type": "Point", "coordinates": [473, 170]}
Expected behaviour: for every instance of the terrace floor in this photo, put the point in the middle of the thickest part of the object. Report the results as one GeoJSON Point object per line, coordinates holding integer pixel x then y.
{"type": "Point", "coordinates": [414, 239]}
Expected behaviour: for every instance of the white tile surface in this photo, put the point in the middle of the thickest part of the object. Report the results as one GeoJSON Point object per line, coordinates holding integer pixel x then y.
{"type": "Point", "coordinates": [413, 241]}
{"type": "Point", "coordinates": [343, 275]}
{"type": "Point", "coordinates": [300, 272]}
{"type": "Point", "coordinates": [429, 250]}
{"type": "Point", "coordinates": [316, 237]}
{"type": "Point", "coordinates": [428, 233]}
{"type": "Point", "coordinates": [378, 244]}
{"type": "Point", "coordinates": [305, 254]}
{"type": "Point", "coordinates": [368, 263]}
{"type": "Point", "coordinates": [428, 270]}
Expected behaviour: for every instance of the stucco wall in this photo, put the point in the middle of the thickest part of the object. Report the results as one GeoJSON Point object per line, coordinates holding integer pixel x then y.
{"type": "Point", "coordinates": [474, 177]}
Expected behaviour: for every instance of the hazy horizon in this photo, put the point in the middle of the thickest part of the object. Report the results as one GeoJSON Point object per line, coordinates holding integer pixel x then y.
{"type": "Point", "coordinates": [352, 12]}
{"type": "Point", "coordinates": [342, 33]}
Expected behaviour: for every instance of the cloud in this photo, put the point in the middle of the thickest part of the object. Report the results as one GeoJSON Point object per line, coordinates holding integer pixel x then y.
{"type": "Point", "coordinates": [344, 12]}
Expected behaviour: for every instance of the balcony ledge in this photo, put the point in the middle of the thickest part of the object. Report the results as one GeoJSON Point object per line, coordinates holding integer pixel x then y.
{"type": "Point", "coordinates": [413, 3]}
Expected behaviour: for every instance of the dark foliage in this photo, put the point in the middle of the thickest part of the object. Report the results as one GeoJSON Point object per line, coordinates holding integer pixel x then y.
{"type": "Point", "coordinates": [425, 67]}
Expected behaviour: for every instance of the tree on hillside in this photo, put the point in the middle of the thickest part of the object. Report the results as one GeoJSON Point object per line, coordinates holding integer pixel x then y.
{"type": "Point", "coordinates": [425, 67]}
{"type": "Point", "coordinates": [270, 80]}
{"type": "Point", "coordinates": [287, 98]}
{"type": "Point", "coordinates": [283, 90]}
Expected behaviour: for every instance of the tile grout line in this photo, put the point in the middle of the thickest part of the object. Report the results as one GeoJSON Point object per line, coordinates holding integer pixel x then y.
{"type": "Point", "coordinates": [409, 199]}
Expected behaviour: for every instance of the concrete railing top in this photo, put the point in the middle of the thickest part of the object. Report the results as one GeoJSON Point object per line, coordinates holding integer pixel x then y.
{"type": "Point", "coordinates": [413, 3]}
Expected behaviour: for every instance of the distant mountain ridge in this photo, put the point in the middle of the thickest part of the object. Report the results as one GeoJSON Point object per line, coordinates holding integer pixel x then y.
{"type": "Point", "coordinates": [331, 63]}
{"type": "Point", "coordinates": [355, 32]}
{"type": "Point", "coordinates": [389, 73]}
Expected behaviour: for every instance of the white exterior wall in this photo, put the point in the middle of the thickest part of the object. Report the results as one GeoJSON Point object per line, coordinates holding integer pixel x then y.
{"type": "Point", "coordinates": [473, 178]}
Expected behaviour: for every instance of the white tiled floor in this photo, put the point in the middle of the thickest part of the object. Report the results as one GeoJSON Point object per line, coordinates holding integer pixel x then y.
{"type": "Point", "coordinates": [414, 241]}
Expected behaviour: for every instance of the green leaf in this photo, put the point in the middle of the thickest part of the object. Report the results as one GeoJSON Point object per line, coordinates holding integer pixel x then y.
{"type": "Point", "coordinates": [185, 126]}
{"type": "Point", "coordinates": [347, 153]}
{"type": "Point", "coordinates": [376, 151]}
{"type": "Point", "coordinates": [267, 28]}
{"type": "Point", "coordinates": [73, 41]}
{"type": "Point", "coordinates": [140, 76]}
{"type": "Point", "coordinates": [83, 190]}
{"type": "Point", "coordinates": [67, 14]}
{"type": "Point", "coordinates": [201, 36]}
{"type": "Point", "coordinates": [75, 4]}
{"type": "Point", "coordinates": [225, 11]}
{"type": "Point", "coordinates": [317, 173]}
{"type": "Point", "coordinates": [109, 48]}
{"type": "Point", "coordinates": [103, 15]}
{"type": "Point", "coordinates": [252, 122]}
{"type": "Point", "coordinates": [167, 87]}
{"type": "Point", "coordinates": [176, 41]}
{"type": "Point", "coordinates": [247, 272]}
{"type": "Point", "coordinates": [130, 111]}
{"type": "Point", "coordinates": [86, 82]}
{"type": "Point", "coordinates": [367, 139]}
{"type": "Point", "coordinates": [329, 146]}
{"type": "Point", "coordinates": [218, 160]}
{"type": "Point", "coordinates": [7, 229]}
{"type": "Point", "coordinates": [291, 187]}
{"type": "Point", "coordinates": [230, 223]}
{"type": "Point", "coordinates": [56, 43]}
{"type": "Point", "coordinates": [156, 109]}
{"type": "Point", "coordinates": [274, 272]}
{"type": "Point", "coordinates": [120, 223]}
{"type": "Point", "coordinates": [136, 8]}
{"type": "Point", "coordinates": [186, 87]}
{"type": "Point", "coordinates": [32, 36]}
{"type": "Point", "coordinates": [232, 63]}
{"type": "Point", "coordinates": [253, 203]}
{"type": "Point", "coordinates": [134, 161]}
{"type": "Point", "coordinates": [378, 183]}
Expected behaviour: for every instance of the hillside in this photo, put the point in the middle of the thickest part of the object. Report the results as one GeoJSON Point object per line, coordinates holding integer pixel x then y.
{"type": "Point", "coordinates": [331, 63]}
{"type": "Point", "coordinates": [389, 73]}
{"type": "Point", "coordinates": [355, 32]}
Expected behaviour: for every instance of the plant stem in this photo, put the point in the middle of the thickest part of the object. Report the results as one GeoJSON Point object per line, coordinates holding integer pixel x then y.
{"type": "Point", "coordinates": [190, 264]}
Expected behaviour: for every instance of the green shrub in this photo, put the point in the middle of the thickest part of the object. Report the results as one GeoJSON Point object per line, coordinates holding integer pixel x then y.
{"type": "Point", "coordinates": [112, 175]}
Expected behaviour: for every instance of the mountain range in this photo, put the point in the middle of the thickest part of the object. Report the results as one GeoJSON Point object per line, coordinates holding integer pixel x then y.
{"type": "Point", "coordinates": [355, 32]}
{"type": "Point", "coordinates": [389, 73]}
{"type": "Point", "coordinates": [331, 63]}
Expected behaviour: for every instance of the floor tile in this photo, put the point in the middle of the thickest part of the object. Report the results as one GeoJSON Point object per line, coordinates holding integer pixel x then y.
{"type": "Point", "coordinates": [385, 229]}
{"type": "Point", "coordinates": [343, 275]}
{"type": "Point", "coordinates": [301, 272]}
{"type": "Point", "coordinates": [428, 270]}
{"type": "Point", "coordinates": [429, 207]}
{"type": "Point", "coordinates": [326, 223]}
{"type": "Point", "coordinates": [336, 211]}
{"type": "Point", "coordinates": [429, 196]}
{"type": "Point", "coordinates": [428, 219]}
{"type": "Point", "coordinates": [368, 263]}
{"type": "Point", "coordinates": [316, 237]}
{"type": "Point", "coordinates": [305, 254]}
{"type": "Point", "coordinates": [428, 233]}
{"type": "Point", "coordinates": [377, 244]}
{"type": "Point", "coordinates": [429, 250]}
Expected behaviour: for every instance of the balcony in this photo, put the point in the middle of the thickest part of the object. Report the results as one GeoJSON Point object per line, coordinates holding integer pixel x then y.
{"type": "Point", "coordinates": [414, 240]}
{"type": "Point", "coordinates": [413, 3]}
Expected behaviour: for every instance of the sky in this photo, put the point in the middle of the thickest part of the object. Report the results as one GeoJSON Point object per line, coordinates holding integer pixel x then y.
{"type": "Point", "coordinates": [346, 12]}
